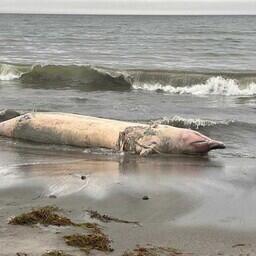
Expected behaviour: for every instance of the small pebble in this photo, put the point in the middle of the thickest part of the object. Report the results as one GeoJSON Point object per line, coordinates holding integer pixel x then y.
{"type": "Point", "coordinates": [145, 198]}
{"type": "Point", "coordinates": [52, 196]}
{"type": "Point", "coordinates": [83, 177]}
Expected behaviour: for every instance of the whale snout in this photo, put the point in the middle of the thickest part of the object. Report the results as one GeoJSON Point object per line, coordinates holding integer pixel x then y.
{"type": "Point", "coordinates": [216, 145]}
{"type": "Point", "coordinates": [198, 143]}
{"type": "Point", "coordinates": [204, 146]}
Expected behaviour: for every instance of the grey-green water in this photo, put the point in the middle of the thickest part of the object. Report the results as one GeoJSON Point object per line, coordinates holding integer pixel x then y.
{"type": "Point", "coordinates": [188, 71]}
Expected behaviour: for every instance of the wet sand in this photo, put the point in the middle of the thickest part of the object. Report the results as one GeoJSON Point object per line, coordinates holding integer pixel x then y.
{"type": "Point", "coordinates": [200, 205]}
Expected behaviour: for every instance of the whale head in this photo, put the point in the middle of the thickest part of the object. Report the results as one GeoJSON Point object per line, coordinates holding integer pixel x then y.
{"type": "Point", "coordinates": [195, 142]}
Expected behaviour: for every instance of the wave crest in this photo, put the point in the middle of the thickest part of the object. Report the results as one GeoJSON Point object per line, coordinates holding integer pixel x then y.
{"type": "Point", "coordinates": [86, 77]}
{"type": "Point", "coordinates": [191, 123]}
{"type": "Point", "coordinates": [214, 85]}
{"type": "Point", "coordinates": [11, 72]}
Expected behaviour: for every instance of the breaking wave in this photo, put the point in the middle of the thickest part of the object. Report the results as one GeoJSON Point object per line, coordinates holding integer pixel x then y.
{"type": "Point", "coordinates": [60, 76]}
{"type": "Point", "coordinates": [86, 77]}
{"type": "Point", "coordinates": [191, 123]}
{"type": "Point", "coordinates": [11, 72]}
{"type": "Point", "coordinates": [214, 85]}
{"type": "Point", "coordinates": [204, 124]}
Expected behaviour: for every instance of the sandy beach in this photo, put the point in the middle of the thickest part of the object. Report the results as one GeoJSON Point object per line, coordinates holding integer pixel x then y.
{"type": "Point", "coordinates": [194, 72]}
{"type": "Point", "coordinates": [192, 202]}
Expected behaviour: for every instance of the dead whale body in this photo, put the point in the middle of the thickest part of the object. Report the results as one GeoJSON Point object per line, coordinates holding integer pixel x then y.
{"type": "Point", "coordinates": [86, 131]}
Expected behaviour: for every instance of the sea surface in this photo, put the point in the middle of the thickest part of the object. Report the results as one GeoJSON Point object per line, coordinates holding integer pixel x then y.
{"type": "Point", "coordinates": [197, 72]}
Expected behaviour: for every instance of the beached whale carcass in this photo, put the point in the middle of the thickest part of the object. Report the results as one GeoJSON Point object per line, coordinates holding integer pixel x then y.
{"type": "Point", "coordinates": [86, 131]}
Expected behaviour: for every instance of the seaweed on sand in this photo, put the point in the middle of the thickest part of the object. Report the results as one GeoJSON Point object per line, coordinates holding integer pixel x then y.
{"type": "Point", "coordinates": [93, 227]}
{"type": "Point", "coordinates": [45, 216]}
{"type": "Point", "coordinates": [105, 218]}
{"type": "Point", "coordinates": [56, 253]}
{"type": "Point", "coordinates": [96, 240]}
{"type": "Point", "coordinates": [154, 251]}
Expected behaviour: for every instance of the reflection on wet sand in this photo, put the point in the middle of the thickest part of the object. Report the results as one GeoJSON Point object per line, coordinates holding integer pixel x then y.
{"type": "Point", "coordinates": [100, 175]}
{"type": "Point", "coordinates": [59, 169]}
{"type": "Point", "coordinates": [205, 183]}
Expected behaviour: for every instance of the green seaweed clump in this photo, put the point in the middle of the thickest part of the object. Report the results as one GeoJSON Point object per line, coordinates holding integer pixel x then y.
{"type": "Point", "coordinates": [45, 216]}
{"type": "Point", "coordinates": [94, 241]}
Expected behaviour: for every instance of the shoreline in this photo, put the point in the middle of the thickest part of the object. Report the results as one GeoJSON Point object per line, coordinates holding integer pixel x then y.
{"type": "Point", "coordinates": [168, 217]}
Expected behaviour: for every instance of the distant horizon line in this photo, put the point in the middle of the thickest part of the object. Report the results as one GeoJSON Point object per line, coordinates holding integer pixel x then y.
{"type": "Point", "coordinates": [130, 14]}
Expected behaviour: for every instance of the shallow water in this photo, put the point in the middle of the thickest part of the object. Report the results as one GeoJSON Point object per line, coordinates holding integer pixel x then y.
{"type": "Point", "coordinates": [217, 193]}
{"type": "Point", "coordinates": [193, 72]}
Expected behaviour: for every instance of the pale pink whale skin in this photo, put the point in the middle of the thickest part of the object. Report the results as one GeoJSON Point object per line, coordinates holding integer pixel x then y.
{"type": "Point", "coordinates": [86, 131]}
{"type": "Point", "coordinates": [199, 143]}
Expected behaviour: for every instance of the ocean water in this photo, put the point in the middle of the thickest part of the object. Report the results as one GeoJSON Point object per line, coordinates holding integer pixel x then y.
{"type": "Point", "coordinates": [197, 72]}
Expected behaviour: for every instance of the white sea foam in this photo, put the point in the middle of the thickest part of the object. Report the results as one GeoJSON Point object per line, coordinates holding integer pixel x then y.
{"type": "Point", "coordinates": [214, 85]}
{"type": "Point", "coordinates": [113, 73]}
{"type": "Point", "coordinates": [194, 123]}
{"type": "Point", "coordinates": [9, 72]}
